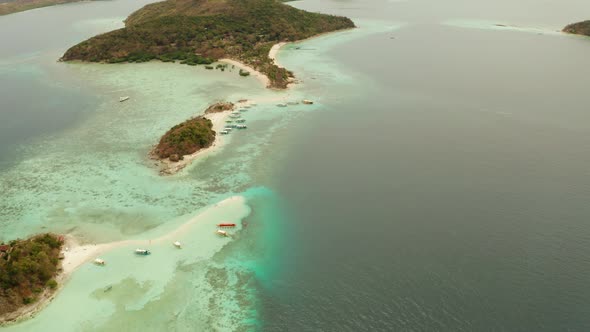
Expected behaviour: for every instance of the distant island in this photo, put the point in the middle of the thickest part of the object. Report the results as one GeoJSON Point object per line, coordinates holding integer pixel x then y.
{"type": "Point", "coordinates": [197, 32]}
{"type": "Point", "coordinates": [28, 273]}
{"type": "Point", "coordinates": [580, 28]}
{"type": "Point", "coordinates": [10, 7]}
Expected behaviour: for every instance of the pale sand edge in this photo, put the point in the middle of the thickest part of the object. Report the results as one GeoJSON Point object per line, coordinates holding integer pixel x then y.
{"type": "Point", "coordinates": [75, 255]}
{"type": "Point", "coordinates": [274, 51]}
{"type": "Point", "coordinates": [272, 54]}
{"type": "Point", "coordinates": [253, 72]}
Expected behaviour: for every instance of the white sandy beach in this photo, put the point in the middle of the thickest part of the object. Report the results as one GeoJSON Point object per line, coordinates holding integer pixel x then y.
{"type": "Point", "coordinates": [75, 254]}
{"type": "Point", "coordinates": [253, 72]}
{"type": "Point", "coordinates": [274, 50]}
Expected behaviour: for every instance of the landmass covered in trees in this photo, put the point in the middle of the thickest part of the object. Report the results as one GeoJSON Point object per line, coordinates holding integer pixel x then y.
{"type": "Point", "coordinates": [185, 138]}
{"type": "Point", "coordinates": [580, 28]}
{"type": "Point", "coordinates": [202, 31]}
{"type": "Point", "coordinates": [28, 269]}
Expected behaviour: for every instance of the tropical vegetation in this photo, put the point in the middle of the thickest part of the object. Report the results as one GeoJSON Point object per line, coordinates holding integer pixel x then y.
{"type": "Point", "coordinates": [203, 31]}
{"type": "Point", "coordinates": [580, 28]}
{"type": "Point", "coordinates": [27, 269]}
{"type": "Point", "coordinates": [185, 138]}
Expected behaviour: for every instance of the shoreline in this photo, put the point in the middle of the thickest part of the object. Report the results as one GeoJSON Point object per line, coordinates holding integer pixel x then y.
{"type": "Point", "coordinates": [274, 51]}
{"type": "Point", "coordinates": [167, 167]}
{"type": "Point", "coordinates": [77, 254]}
{"type": "Point", "coordinates": [272, 55]}
{"type": "Point", "coordinates": [253, 72]}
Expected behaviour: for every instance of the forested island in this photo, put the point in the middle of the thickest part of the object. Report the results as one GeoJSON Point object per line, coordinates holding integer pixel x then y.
{"type": "Point", "coordinates": [203, 31]}
{"type": "Point", "coordinates": [580, 28]}
{"type": "Point", "coordinates": [28, 271]}
{"type": "Point", "coordinates": [185, 138]}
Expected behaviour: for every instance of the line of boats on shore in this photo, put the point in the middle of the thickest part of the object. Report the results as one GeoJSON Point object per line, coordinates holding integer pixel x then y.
{"type": "Point", "coordinates": [146, 252]}
{"type": "Point", "coordinates": [236, 121]}
{"type": "Point", "coordinates": [305, 102]}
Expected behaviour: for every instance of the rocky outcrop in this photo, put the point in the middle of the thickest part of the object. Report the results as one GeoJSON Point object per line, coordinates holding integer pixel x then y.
{"type": "Point", "coordinates": [219, 107]}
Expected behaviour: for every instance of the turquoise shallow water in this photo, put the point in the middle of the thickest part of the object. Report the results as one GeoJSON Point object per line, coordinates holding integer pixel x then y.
{"type": "Point", "coordinates": [170, 287]}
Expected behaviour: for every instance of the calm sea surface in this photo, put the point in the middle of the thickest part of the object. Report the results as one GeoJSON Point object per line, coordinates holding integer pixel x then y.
{"type": "Point", "coordinates": [442, 183]}
{"type": "Point", "coordinates": [452, 192]}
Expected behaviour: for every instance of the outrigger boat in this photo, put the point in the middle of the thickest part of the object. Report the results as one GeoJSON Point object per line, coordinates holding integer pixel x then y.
{"type": "Point", "coordinates": [282, 105]}
{"type": "Point", "coordinates": [226, 225]}
{"type": "Point", "coordinates": [307, 102]}
{"type": "Point", "coordinates": [244, 110]}
{"type": "Point", "coordinates": [222, 233]}
{"type": "Point", "coordinates": [99, 261]}
{"type": "Point", "coordinates": [224, 132]}
{"type": "Point", "coordinates": [144, 252]}
{"type": "Point", "coordinates": [241, 120]}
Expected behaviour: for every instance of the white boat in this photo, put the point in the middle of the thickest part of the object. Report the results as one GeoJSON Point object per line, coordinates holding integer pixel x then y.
{"type": "Point", "coordinates": [307, 102]}
{"type": "Point", "coordinates": [241, 126]}
{"type": "Point", "coordinates": [177, 245]}
{"type": "Point", "coordinates": [235, 115]}
{"type": "Point", "coordinates": [222, 233]}
{"type": "Point", "coordinates": [142, 252]}
{"type": "Point", "coordinates": [99, 261]}
{"type": "Point", "coordinates": [122, 99]}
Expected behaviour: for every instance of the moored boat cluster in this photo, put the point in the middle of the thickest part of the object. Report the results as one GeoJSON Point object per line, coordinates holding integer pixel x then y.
{"type": "Point", "coordinates": [221, 231]}
{"type": "Point", "coordinates": [291, 103]}
{"type": "Point", "coordinates": [236, 121]}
